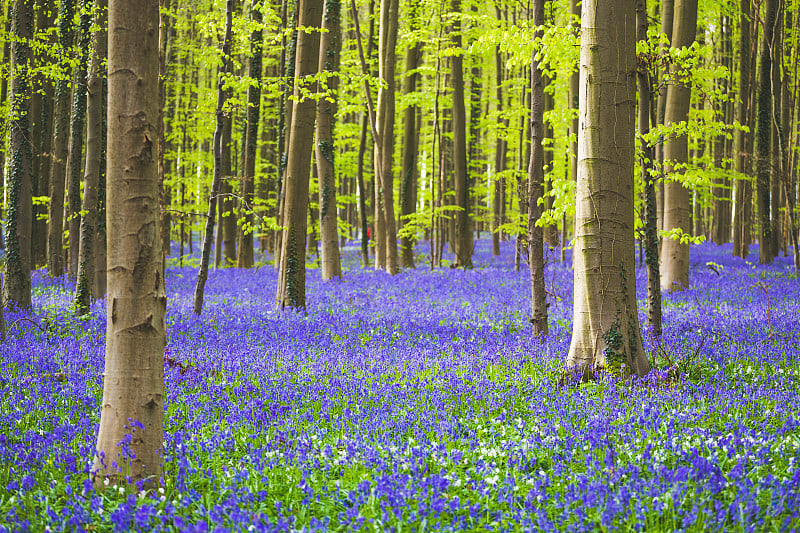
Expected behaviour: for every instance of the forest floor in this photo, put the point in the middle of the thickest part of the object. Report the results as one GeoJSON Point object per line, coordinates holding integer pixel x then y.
{"type": "Point", "coordinates": [419, 402]}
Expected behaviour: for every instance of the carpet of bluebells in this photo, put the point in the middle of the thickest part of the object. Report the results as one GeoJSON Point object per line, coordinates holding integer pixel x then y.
{"type": "Point", "coordinates": [419, 403]}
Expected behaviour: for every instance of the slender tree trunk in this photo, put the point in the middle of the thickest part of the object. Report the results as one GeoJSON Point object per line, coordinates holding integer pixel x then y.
{"type": "Point", "coordinates": [463, 223]}
{"type": "Point", "coordinates": [133, 379]}
{"type": "Point", "coordinates": [330, 49]}
{"type": "Point", "coordinates": [91, 178]}
{"type": "Point", "coordinates": [387, 42]}
{"type": "Point", "coordinates": [408, 187]}
{"type": "Point", "coordinates": [101, 233]}
{"type": "Point", "coordinates": [667, 20]}
{"type": "Point", "coordinates": [764, 136]}
{"type": "Point", "coordinates": [722, 201]}
{"type": "Point", "coordinates": [78, 120]}
{"type": "Point", "coordinates": [677, 199]}
{"type": "Point", "coordinates": [244, 256]}
{"type": "Point", "coordinates": [536, 185]}
{"type": "Point", "coordinates": [644, 86]}
{"type": "Point", "coordinates": [606, 324]}
{"type": "Point", "coordinates": [741, 153]}
{"type": "Point", "coordinates": [574, 90]}
{"type": "Point", "coordinates": [292, 280]}
{"type": "Point", "coordinates": [164, 35]}
{"type": "Point", "coordinates": [499, 156]}
{"type": "Point", "coordinates": [44, 93]}
{"type": "Point", "coordinates": [20, 169]}
{"type": "Point", "coordinates": [222, 96]}
{"type": "Point", "coordinates": [58, 169]}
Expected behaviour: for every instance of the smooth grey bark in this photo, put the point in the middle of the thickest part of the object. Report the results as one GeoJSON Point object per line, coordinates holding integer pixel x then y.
{"type": "Point", "coordinates": [132, 408]}
{"type": "Point", "coordinates": [764, 136]}
{"type": "Point", "coordinates": [606, 323]}
{"type": "Point", "coordinates": [677, 200]}
{"type": "Point", "coordinates": [91, 176]}
{"type": "Point", "coordinates": [741, 215]}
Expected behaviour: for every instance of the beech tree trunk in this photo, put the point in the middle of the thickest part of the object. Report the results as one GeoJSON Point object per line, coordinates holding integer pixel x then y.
{"type": "Point", "coordinates": [222, 96]}
{"type": "Point", "coordinates": [20, 168]}
{"type": "Point", "coordinates": [77, 122]}
{"type": "Point", "coordinates": [463, 223]}
{"type": "Point", "coordinates": [677, 200]}
{"type": "Point", "coordinates": [606, 323]}
{"type": "Point", "coordinates": [330, 48]}
{"type": "Point", "coordinates": [741, 147]}
{"type": "Point", "coordinates": [60, 146]}
{"type": "Point", "coordinates": [764, 136]}
{"type": "Point", "coordinates": [667, 20]}
{"type": "Point", "coordinates": [91, 175]}
{"type": "Point", "coordinates": [244, 256]}
{"type": "Point", "coordinates": [536, 185]}
{"type": "Point", "coordinates": [133, 380]}
{"type": "Point", "coordinates": [499, 156]}
{"type": "Point", "coordinates": [408, 186]}
{"type": "Point", "coordinates": [644, 86]}
{"type": "Point", "coordinates": [292, 276]}
{"type": "Point", "coordinates": [387, 41]}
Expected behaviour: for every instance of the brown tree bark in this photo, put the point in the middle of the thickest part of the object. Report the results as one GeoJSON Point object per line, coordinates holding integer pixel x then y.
{"type": "Point", "coordinates": [42, 114]}
{"type": "Point", "coordinates": [292, 279]}
{"type": "Point", "coordinates": [133, 380]}
{"type": "Point", "coordinates": [244, 255]}
{"type": "Point", "coordinates": [667, 20]}
{"type": "Point", "coordinates": [463, 220]}
{"type": "Point", "coordinates": [222, 96]}
{"type": "Point", "coordinates": [17, 288]}
{"type": "Point", "coordinates": [330, 49]}
{"type": "Point", "coordinates": [408, 185]}
{"type": "Point", "coordinates": [741, 147]}
{"type": "Point", "coordinates": [77, 122]}
{"type": "Point", "coordinates": [644, 86]}
{"type": "Point", "coordinates": [58, 169]}
{"type": "Point", "coordinates": [387, 41]}
{"type": "Point", "coordinates": [536, 185]}
{"type": "Point", "coordinates": [164, 37]}
{"type": "Point", "coordinates": [606, 323]}
{"type": "Point", "coordinates": [677, 200]}
{"type": "Point", "coordinates": [499, 155]}
{"type": "Point", "coordinates": [91, 176]}
{"type": "Point", "coordinates": [764, 136]}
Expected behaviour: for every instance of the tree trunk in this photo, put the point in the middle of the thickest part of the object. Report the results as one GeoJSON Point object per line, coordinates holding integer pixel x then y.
{"type": "Point", "coordinates": [463, 223]}
{"type": "Point", "coordinates": [645, 89]}
{"type": "Point", "coordinates": [330, 49]}
{"type": "Point", "coordinates": [677, 200]}
{"type": "Point", "coordinates": [58, 169]}
{"type": "Point", "coordinates": [722, 200]}
{"type": "Point", "coordinates": [164, 36]}
{"type": "Point", "coordinates": [292, 277]}
{"type": "Point", "coordinates": [667, 20]}
{"type": "Point", "coordinates": [387, 42]}
{"type": "Point", "coordinates": [574, 90]}
{"type": "Point", "coordinates": [408, 187]}
{"type": "Point", "coordinates": [606, 323]}
{"type": "Point", "coordinates": [133, 380]}
{"type": "Point", "coordinates": [499, 156]}
{"type": "Point", "coordinates": [20, 169]}
{"type": "Point", "coordinates": [244, 256]}
{"type": "Point", "coordinates": [741, 152]}
{"type": "Point", "coordinates": [42, 136]}
{"type": "Point", "coordinates": [222, 96]}
{"type": "Point", "coordinates": [536, 185]}
{"type": "Point", "coordinates": [91, 178]}
{"type": "Point", "coordinates": [764, 136]}
{"type": "Point", "coordinates": [77, 122]}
